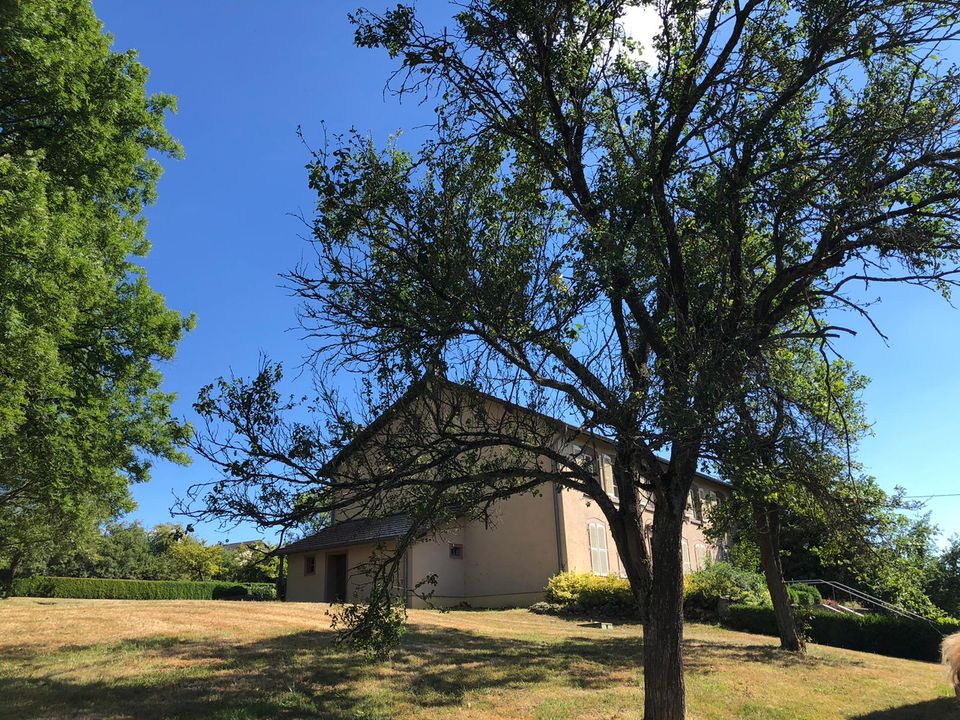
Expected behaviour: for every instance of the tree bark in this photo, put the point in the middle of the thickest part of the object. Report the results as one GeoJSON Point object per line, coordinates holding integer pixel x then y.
{"type": "Point", "coordinates": [6, 576]}
{"type": "Point", "coordinates": [664, 695]}
{"type": "Point", "coordinates": [767, 518]}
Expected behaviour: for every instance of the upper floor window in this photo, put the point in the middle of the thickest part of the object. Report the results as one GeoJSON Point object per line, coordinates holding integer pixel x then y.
{"type": "Point", "coordinates": [606, 476]}
{"type": "Point", "coordinates": [599, 560]}
{"type": "Point", "coordinates": [456, 552]}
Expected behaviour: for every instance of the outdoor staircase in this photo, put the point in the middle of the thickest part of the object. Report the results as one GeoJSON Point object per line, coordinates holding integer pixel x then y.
{"type": "Point", "coordinates": [860, 596]}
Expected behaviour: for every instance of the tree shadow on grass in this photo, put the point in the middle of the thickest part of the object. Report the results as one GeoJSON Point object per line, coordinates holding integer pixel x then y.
{"type": "Point", "coordinates": [306, 675]}
{"type": "Point", "coordinates": [939, 709]}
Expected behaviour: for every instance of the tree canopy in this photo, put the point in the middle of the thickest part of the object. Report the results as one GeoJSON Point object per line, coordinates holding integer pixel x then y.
{"type": "Point", "coordinates": [81, 330]}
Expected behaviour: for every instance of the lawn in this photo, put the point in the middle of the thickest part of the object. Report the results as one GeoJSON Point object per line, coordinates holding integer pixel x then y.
{"type": "Point", "coordinates": [237, 661]}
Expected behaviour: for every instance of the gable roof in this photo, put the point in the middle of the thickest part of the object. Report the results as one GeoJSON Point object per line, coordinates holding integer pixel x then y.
{"type": "Point", "coordinates": [351, 532]}
{"type": "Point", "coordinates": [411, 394]}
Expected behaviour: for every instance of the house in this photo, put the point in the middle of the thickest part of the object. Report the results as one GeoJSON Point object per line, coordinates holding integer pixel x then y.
{"type": "Point", "coordinates": [534, 536]}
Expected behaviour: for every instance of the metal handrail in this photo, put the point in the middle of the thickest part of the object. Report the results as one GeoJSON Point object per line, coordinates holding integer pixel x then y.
{"type": "Point", "coordinates": [865, 597]}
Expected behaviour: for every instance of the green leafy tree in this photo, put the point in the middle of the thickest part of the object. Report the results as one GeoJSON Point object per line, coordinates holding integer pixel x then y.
{"type": "Point", "coordinates": [192, 559]}
{"type": "Point", "coordinates": [251, 562]}
{"type": "Point", "coordinates": [877, 547]}
{"type": "Point", "coordinates": [81, 331]}
{"type": "Point", "coordinates": [617, 244]}
{"type": "Point", "coordinates": [943, 583]}
{"type": "Point", "coordinates": [789, 446]}
{"type": "Point", "coordinates": [120, 550]}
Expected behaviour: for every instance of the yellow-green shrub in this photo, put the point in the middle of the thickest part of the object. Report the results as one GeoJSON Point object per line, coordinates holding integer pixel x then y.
{"type": "Point", "coordinates": [587, 594]}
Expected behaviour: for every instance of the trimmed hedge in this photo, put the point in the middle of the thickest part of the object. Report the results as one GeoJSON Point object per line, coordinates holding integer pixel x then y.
{"type": "Point", "coordinates": [110, 589]}
{"type": "Point", "coordinates": [587, 594]}
{"type": "Point", "coordinates": [882, 634]}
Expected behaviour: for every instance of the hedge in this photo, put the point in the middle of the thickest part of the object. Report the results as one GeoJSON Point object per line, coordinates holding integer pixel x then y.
{"type": "Point", "coordinates": [110, 589]}
{"type": "Point", "coordinates": [877, 633]}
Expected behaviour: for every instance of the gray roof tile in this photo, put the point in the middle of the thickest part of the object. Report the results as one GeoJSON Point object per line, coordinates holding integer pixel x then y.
{"type": "Point", "coordinates": [352, 532]}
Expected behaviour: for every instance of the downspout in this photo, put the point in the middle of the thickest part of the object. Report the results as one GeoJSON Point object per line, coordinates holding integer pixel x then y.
{"type": "Point", "coordinates": [406, 579]}
{"type": "Point", "coordinates": [558, 522]}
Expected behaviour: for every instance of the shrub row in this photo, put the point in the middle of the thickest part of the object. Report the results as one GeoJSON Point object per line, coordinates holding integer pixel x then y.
{"type": "Point", "coordinates": [587, 594]}
{"type": "Point", "coordinates": [109, 589]}
{"type": "Point", "coordinates": [882, 634]}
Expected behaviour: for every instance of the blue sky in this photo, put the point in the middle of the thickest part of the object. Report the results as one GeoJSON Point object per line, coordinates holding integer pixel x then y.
{"type": "Point", "coordinates": [247, 74]}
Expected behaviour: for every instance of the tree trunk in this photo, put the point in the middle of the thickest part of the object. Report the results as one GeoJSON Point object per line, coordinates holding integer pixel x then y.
{"type": "Point", "coordinates": [627, 530]}
{"type": "Point", "coordinates": [767, 519]}
{"type": "Point", "coordinates": [6, 576]}
{"type": "Point", "coordinates": [663, 629]}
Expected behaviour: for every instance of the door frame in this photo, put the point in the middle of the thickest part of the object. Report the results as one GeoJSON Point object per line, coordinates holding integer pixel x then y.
{"type": "Point", "coordinates": [335, 579]}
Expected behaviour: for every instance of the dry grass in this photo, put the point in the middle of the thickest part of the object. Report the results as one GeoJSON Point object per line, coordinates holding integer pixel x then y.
{"type": "Point", "coordinates": [238, 661]}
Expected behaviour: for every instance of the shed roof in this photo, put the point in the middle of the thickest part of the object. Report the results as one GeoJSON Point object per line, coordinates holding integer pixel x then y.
{"type": "Point", "coordinates": [351, 532]}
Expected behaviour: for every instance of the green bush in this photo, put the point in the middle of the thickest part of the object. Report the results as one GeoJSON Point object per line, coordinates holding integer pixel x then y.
{"type": "Point", "coordinates": [108, 589]}
{"type": "Point", "coordinates": [586, 594]}
{"type": "Point", "coordinates": [877, 633]}
{"type": "Point", "coordinates": [722, 580]}
{"type": "Point", "coordinates": [804, 595]}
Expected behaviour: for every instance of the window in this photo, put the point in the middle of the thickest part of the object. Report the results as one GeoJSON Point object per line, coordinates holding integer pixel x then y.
{"type": "Point", "coordinates": [456, 552]}
{"type": "Point", "coordinates": [685, 548]}
{"type": "Point", "coordinates": [606, 477]}
{"type": "Point", "coordinates": [700, 550]}
{"type": "Point", "coordinates": [694, 509]}
{"type": "Point", "coordinates": [708, 501]}
{"type": "Point", "coordinates": [579, 455]}
{"type": "Point", "coordinates": [598, 548]}
{"type": "Point", "coordinates": [310, 565]}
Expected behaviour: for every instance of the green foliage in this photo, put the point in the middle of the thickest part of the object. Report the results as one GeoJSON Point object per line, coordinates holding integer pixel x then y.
{"type": "Point", "coordinates": [100, 588]}
{"type": "Point", "coordinates": [943, 579]}
{"type": "Point", "coordinates": [877, 633]}
{"type": "Point", "coordinates": [723, 580]}
{"type": "Point", "coordinates": [249, 563]}
{"type": "Point", "coordinates": [81, 331]}
{"type": "Point", "coordinates": [803, 595]}
{"type": "Point", "coordinates": [167, 552]}
{"type": "Point", "coordinates": [595, 595]}
{"type": "Point", "coordinates": [855, 533]}
{"type": "Point", "coordinates": [195, 560]}
{"type": "Point", "coordinates": [374, 630]}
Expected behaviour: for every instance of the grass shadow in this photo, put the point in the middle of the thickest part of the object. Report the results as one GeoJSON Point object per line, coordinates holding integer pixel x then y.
{"type": "Point", "coordinates": [927, 710]}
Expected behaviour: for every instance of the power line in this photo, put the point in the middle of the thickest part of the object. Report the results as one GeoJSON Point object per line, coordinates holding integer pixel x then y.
{"type": "Point", "coordinates": [928, 497]}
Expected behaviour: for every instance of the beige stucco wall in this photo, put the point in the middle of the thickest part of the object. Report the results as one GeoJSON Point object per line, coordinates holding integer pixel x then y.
{"type": "Point", "coordinates": [312, 588]}
{"type": "Point", "coordinates": [578, 511]}
{"type": "Point", "coordinates": [510, 562]}
{"type": "Point", "coordinates": [433, 556]}
{"type": "Point", "coordinates": [506, 564]}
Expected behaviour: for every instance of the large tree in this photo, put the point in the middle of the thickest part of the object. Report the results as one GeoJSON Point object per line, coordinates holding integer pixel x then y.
{"type": "Point", "coordinates": [81, 331]}
{"type": "Point", "coordinates": [619, 243]}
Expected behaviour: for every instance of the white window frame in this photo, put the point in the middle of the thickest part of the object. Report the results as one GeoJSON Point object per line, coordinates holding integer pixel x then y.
{"type": "Point", "coordinates": [605, 473]}
{"type": "Point", "coordinates": [702, 555]}
{"type": "Point", "coordinates": [685, 554]}
{"type": "Point", "coordinates": [599, 555]}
